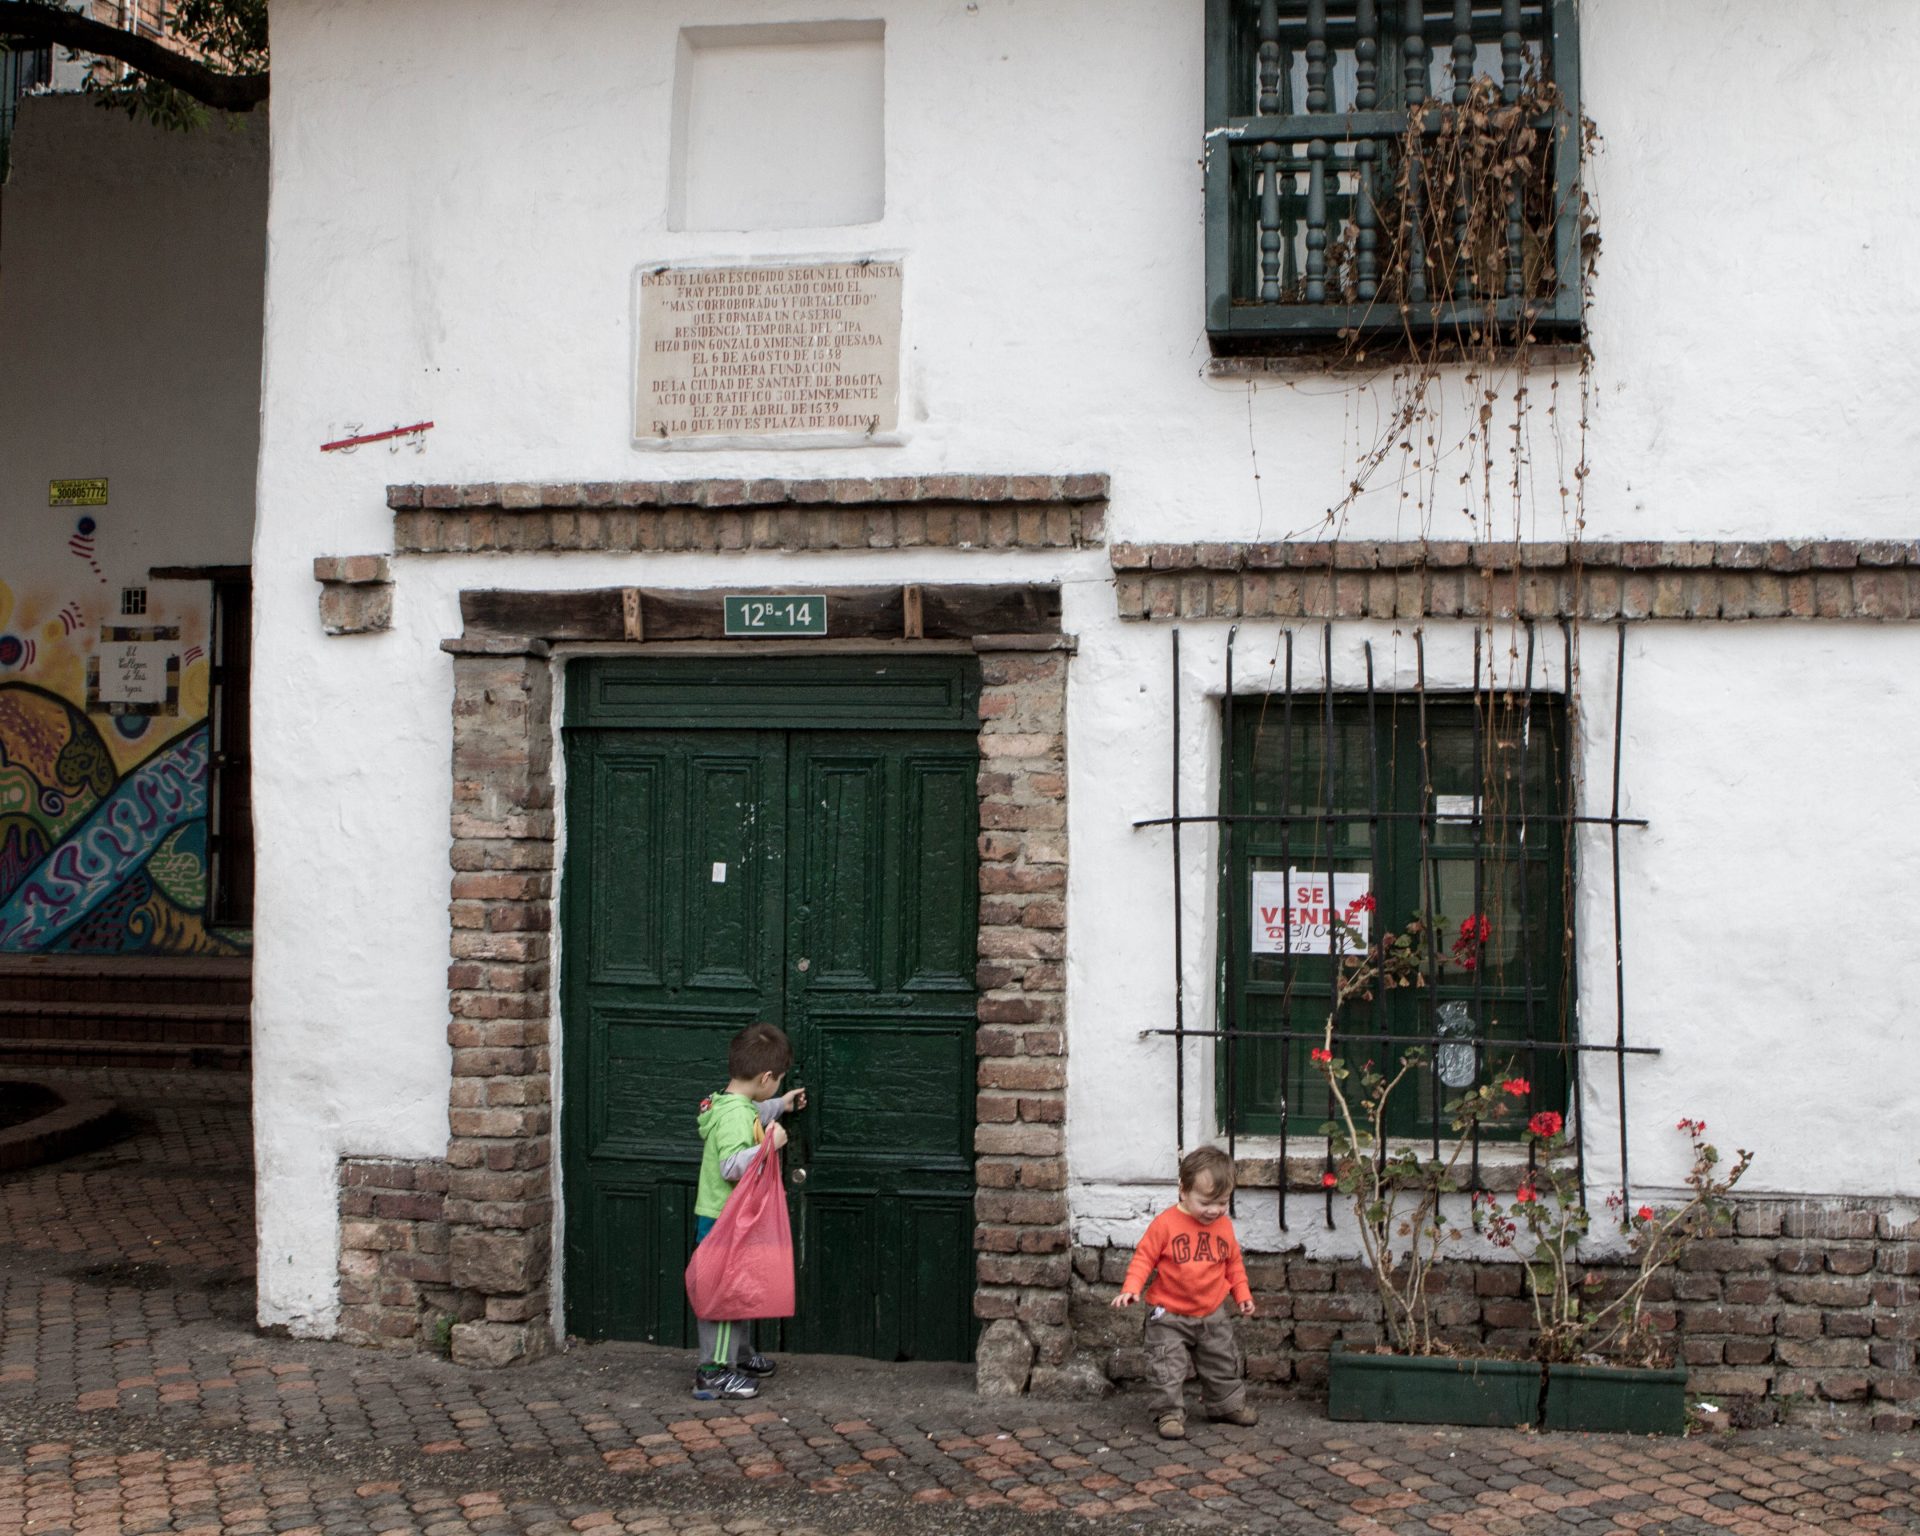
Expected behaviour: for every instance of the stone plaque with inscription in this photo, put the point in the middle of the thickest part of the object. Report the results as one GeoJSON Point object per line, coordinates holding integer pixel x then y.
{"type": "Point", "coordinates": [787, 351]}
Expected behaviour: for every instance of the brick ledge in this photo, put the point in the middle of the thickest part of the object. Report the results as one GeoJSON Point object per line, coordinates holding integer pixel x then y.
{"type": "Point", "coordinates": [845, 492]}
{"type": "Point", "coordinates": [1866, 579]}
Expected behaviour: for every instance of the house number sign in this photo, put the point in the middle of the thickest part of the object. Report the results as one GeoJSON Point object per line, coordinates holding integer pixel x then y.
{"type": "Point", "coordinates": [758, 613]}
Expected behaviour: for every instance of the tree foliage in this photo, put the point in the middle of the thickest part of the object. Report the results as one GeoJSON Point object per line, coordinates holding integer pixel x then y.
{"type": "Point", "coordinates": [214, 58]}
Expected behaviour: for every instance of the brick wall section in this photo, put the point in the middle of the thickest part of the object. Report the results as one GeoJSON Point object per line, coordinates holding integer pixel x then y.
{"type": "Point", "coordinates": [395, 1278]}
{"type": "Point", "coordinates": [499, 1206]}
{"type": "Point", "coordinates": [1804, 1304]}
{"type": "Point", "coordinates": [356, 593]}
{"type": "Point", "coordinates": [469, 1238]}
{"type": "Point", "coordinates": [1022, 1265]}
{"type": "Point", "coordinates": [1877, 580]}
{"type": "Point", "coordinates": [900, 512]}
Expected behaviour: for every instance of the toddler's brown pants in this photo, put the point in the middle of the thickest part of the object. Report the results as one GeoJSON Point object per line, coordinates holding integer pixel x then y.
{"type": "Point", "coordinates": [1215, 1349]}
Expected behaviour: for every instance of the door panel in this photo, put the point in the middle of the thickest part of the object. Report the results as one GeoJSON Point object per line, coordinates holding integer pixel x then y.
{"type": "Point", "coordinates": [823, 880]}
{"type": "Point", "coordinates": [639, 1227]}
{"type": "Point", "coordinates": [897, 1088]}
{"type": "Point", "coordinates": [677, 961]}
{"type": "Point", "coordinates": [726, 904]}
{"type": "Point", "coordinates": [843, 802]}
{"type": "Point", "coordinates": [939, 1245]}
{"type": "Point", "coordinates": [838, 1299]}
{"type": "Point", "coordinates": [941, 873]}
{"type": "Point", "coordinates": [635, 1050]}
{"type": "Point", "coordinates": [629, 914]}
{"type": "Point", "coordinates": [889, 1068]}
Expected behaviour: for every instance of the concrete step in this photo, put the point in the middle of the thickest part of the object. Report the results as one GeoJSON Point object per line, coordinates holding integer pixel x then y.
{"type": "Point", "coordinates": [181, 1023]}
{"type": "Point", "coordinates": [122, 1008]}
{"type": "Point", "coordinates": [121, 1053]}
{"type": "Point", "coordinates": [125, 1010]}
{"type": "Point", "coordinates": [115, 978]}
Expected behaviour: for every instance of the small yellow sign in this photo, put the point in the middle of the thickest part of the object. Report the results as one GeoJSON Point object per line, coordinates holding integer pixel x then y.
{"type": "Point", "coordinates": [76, 493]}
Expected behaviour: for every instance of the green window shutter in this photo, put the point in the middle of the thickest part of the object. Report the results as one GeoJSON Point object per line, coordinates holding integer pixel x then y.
{"type": "Point", "coordinates": [1469, 824]}
{"type": "Point", "coordinates": [1309, 234]}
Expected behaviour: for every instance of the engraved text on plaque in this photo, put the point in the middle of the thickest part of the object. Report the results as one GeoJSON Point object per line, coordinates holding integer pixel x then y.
{"type": "Point", "coordinates": [747, 351]}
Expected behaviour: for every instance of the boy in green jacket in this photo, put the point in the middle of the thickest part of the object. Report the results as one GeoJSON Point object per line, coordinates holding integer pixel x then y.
{"type": "Point", "coordinates": [732, 1126]}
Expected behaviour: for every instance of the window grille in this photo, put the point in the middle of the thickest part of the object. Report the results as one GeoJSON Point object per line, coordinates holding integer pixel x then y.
{"type": "Point", "coordinates": [133, 601]}
{"type": "Point", "coordinates": [1453, 807]}
{"type": "Point", "coordinates": [1347, 778]}
{"type": "Point", "coordinates": [1344, 195]}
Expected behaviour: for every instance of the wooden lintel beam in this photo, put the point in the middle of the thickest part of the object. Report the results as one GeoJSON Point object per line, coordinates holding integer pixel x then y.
{"type": "Point", "coordinates": [853, 613]}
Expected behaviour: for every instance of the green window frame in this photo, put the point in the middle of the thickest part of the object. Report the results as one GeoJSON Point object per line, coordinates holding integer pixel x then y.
{"type": "Point", "coordinates": [1450, 807]}
{"type": "Point", "coordinates": [1311, 235]}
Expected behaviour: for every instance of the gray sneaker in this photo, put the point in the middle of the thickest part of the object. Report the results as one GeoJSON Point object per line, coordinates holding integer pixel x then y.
{"type": "Point", "coordinates": [722, 1382]}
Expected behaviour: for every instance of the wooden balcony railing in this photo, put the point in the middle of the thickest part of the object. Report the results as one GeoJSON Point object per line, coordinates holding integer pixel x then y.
{"type": "Point", "coordinates": [1350, 192]}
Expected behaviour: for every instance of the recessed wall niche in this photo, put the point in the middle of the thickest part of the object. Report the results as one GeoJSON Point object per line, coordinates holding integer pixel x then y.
{"type": "Point", "coordinates": [779, 126]}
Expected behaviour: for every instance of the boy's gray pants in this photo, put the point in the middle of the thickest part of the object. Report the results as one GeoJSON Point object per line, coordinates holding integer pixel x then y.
{"type": "Point", "coordinates": [724, 1343]}
{"type": "Point", "coordinates": [1215, 1350]}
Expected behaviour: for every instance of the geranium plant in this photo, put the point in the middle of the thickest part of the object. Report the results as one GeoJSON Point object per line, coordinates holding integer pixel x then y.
{"type": "Point", "coordinates": [1396, 1193]}
{"type": "Point", "coordinates": [1547, 1220]}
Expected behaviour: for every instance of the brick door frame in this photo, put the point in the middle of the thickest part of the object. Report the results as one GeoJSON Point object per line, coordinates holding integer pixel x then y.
{"type": "Point", "coordinates": [473, 1240]}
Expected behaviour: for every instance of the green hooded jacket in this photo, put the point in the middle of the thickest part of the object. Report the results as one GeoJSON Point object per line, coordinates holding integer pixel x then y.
{"type": "Point", "coordinates": [729, 1123]}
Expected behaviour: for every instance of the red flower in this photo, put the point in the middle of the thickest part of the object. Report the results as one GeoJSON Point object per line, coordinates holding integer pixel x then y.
{"type": "Point", "coordinates": [1321, 1056]}
{"type": "Point", "coordinates": [1519, 1087]}
{"type": "Point", "coordinates": [1329, 1180]}
{"type": "Point", "coordinates": [1360, 904]}
{"type": "Point", "coordinates": [1474, 931]}
{"type": "Point", "coordinates": [1526, 1194]}
{"type": "Point", "coordinates": [1692, 1127]}
{"type": "Point", "coordinates": [1546, 1123]}
{"type": "Point", "coordinates": [1645, 1213]}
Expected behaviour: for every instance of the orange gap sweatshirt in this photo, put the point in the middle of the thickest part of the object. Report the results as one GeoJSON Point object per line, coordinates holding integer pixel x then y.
{"type": "Point", "coordinates": [1198, 1263]}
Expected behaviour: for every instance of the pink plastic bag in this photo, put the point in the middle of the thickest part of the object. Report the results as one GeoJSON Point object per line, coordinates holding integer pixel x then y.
{"type": "Point", "coordinates": [744, 1269]}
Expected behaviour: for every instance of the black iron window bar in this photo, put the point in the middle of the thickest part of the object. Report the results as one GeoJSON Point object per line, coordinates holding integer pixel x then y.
{"type": "Point", "coordinates": [1228, 1033]}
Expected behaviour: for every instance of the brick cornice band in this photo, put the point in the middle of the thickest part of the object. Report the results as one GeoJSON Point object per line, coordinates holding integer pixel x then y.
{"type": "Point", "coordinates": [1876, 580]}
{"type": "Point", "coordinates": [664, 516]}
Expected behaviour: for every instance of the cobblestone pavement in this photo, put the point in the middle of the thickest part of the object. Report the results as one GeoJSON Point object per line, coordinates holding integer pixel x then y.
{"type": "Point", "coordinates": [135, 1396]}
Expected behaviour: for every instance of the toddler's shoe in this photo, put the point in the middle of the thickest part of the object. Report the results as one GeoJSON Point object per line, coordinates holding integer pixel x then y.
{"type": "Point", "coordinates": [1172, 1427]}
{"type": "Point", "coordinates": [757, 1365]}
{"type": "Point", "coordinates": [1246, 1413]}
{"type": "Point", "coordinates": [722, 1382]}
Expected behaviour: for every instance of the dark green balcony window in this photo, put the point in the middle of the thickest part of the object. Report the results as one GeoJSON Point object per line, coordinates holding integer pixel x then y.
{"type": "Point", "coordinates": [1383, 167]}
{"type": "Point", "coordinates": [1446, 812]}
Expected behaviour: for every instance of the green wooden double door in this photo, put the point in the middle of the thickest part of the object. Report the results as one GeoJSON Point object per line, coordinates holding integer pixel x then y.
{"type": "Point", "coordinates": [788, 839]}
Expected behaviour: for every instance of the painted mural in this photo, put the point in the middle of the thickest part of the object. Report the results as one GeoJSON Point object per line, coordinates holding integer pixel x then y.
{"type": "Point", "coordinates": [103, 815]}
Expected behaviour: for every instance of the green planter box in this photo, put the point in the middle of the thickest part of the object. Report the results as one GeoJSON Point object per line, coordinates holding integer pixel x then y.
{"type": "Point", "coordinates": [1616, 1399]}
{"type": "Point", "coordinates": [1433, 1389]}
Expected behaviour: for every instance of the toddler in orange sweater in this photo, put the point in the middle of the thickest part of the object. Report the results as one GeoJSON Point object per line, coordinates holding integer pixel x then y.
{"type": "Point", "coordinates": [1193, 1255]}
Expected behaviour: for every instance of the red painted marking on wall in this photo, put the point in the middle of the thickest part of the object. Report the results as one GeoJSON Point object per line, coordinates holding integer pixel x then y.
{"type": "Point", "coordinates": [375, 437]}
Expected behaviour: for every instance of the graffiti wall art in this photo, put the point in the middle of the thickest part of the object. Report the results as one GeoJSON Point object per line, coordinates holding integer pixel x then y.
{"type": "Point", "coordinates": [92, 859]}
{"type": "Point", "coordinates": [103, 813]}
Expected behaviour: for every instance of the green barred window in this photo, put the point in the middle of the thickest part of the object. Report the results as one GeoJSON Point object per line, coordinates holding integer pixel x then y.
{"type": "Point", "coordinates": [1382, 166]}
{"type": "Point", "coordinates": [1448, 811]}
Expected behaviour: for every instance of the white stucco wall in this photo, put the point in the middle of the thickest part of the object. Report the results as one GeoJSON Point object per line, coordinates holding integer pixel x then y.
{"type": "Point", "coordinates": [460, 203]}
{"type": "Point", "coordinates": [130, 306]}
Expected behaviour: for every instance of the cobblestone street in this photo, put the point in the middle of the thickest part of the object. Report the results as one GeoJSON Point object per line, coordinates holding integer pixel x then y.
{"type": "Point", "coordinates": [135, 1396]}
